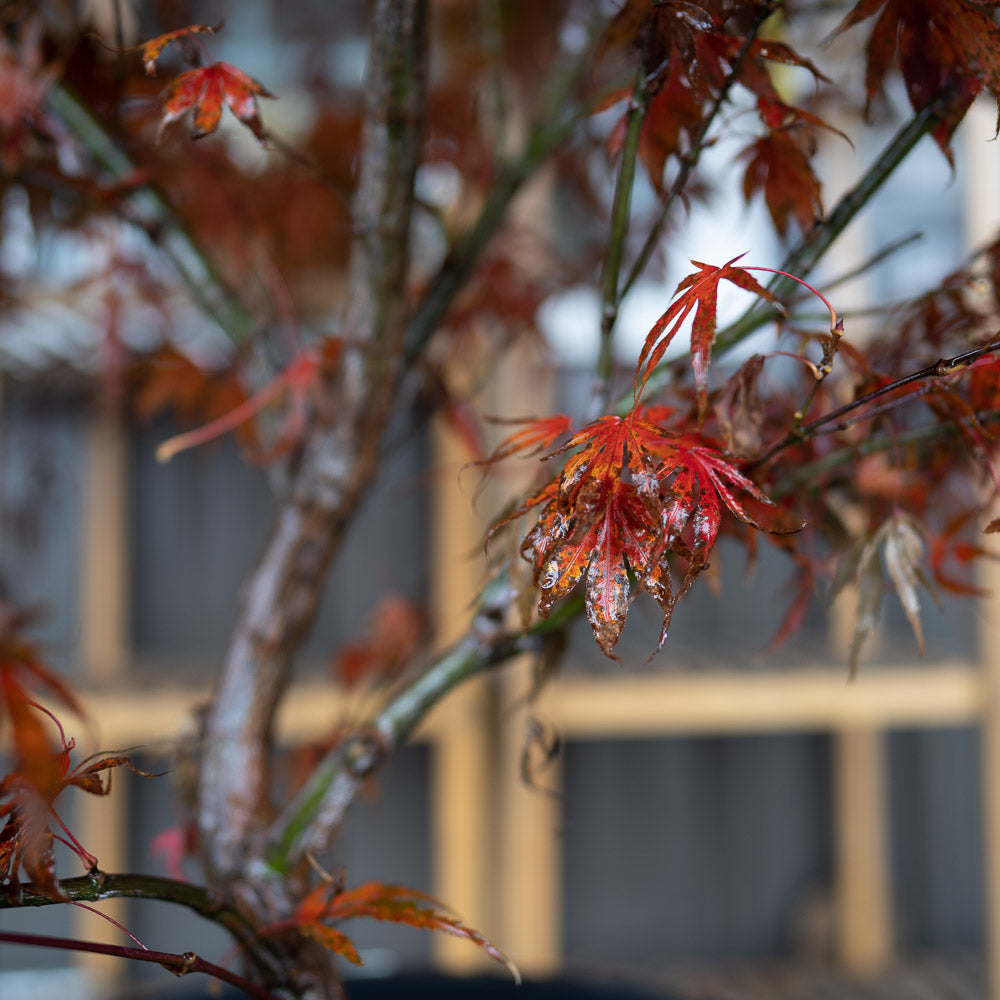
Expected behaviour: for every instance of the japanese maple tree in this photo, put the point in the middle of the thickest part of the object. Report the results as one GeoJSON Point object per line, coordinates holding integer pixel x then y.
{"type": "Point", "coordinates": [352, 300]}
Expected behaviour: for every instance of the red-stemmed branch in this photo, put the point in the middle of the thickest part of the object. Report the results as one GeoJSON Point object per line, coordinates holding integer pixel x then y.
{"type": "Point", "coordinates": [179, 965]}
{"type": "Point", "coordinates": [937, 369]}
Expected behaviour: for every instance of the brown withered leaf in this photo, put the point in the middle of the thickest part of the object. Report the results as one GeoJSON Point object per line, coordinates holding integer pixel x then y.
{"type": "Point", "coordinates": [739, 409]}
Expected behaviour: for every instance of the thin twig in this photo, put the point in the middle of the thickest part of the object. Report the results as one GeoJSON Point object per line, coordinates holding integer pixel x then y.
{"type": "Point", "coordinates": [179, 965]}
{"type": "Point", "coordinates": [938, 369]}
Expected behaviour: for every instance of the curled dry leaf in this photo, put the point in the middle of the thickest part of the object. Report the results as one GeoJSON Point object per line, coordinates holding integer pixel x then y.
{"type": "Point", "coordinates": [739, 409]}
{"type": "Point", "coordinates": [152, 49]}
{"type": "Point", "coordinates": [898, 543]}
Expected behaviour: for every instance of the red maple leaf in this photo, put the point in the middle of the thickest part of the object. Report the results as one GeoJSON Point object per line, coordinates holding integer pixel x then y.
{"type": "Point", "coordinates": [696, 293]}
{"type": "Point", "coordinates": [205, 91]}
{"type": "Point", "coordinates": [696, 57]}
{"type": "Point", "coordinates": [942, 46]}
{"type": "Point", "coordinates": [778, 165]}
{"type": "Point", "coordinates": [698, 482]}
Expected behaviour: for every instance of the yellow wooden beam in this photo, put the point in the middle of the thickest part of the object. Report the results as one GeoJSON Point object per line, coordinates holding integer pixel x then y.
{"type": "Point", "coordinates": [462, 755]}
{"type": "Point", "coordinates": [865, 935]}
{"type": "Point", "coordinates": [529, 847]}
{"type": "Point", "coordinates": [734, 702]}
{"type": "Point", "coordinates": [104, 584]}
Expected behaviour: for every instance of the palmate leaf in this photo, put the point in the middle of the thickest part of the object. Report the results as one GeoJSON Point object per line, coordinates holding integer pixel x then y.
{"type": "Point", "coordinates": [778, 166]}
{"type": "Point", "coordinates": [624, 539]}
{"type": "Point", "coordinates": [205, 91]}
{"type": "Point", "coordinates": [697, 293]}
{"type": "Point", "coordinates": [330, 903]}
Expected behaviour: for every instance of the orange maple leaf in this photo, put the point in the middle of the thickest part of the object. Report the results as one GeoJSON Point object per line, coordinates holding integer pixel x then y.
{"type": "Point", "coordinates": [152, 49]}
{"type": "Point", "coordinates": [331, 902]}
{"type": "Point", "coordinates": [205, 90]}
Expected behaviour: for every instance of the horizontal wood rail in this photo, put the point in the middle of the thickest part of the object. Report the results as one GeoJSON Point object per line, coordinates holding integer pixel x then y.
{"type": "Point", "coordinates": [745, 702]}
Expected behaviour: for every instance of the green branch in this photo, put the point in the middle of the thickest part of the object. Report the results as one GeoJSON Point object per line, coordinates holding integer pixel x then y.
{"type": "Point", "coordinates": [620, 210]}
{"type": "Point", "coordinates": [318, 809]}
{"type": "Point", "coordinates": [98, 886]}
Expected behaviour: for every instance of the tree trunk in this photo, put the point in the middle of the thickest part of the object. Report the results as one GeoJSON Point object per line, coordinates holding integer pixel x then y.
{"type": "Point", "coordinates": [337, 463]}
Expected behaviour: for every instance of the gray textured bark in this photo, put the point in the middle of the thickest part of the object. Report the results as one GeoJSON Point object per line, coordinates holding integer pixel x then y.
{"type": "Point", "coordinates": [337, 463]}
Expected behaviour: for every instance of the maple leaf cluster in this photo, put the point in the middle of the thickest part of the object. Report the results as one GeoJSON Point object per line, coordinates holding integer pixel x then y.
{"type": "Point", "coordinates": [947, 50]}
{"type": "Point", "coordinates": [695, 53]}
{"type": "Point", "coordinates": [634, 497]}
{"type": "Point", "coordinates": [635, 494]}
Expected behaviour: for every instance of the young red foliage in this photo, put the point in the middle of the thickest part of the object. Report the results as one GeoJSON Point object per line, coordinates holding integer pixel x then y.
{"type": "Point", "coordinates": [205, 90]}
{"type": "Point", "coordinates": [696, 293]}
{"type": "Point", "coordinates": [941, 45]}
{"type": "Point", "coordinates": [330, 902]}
